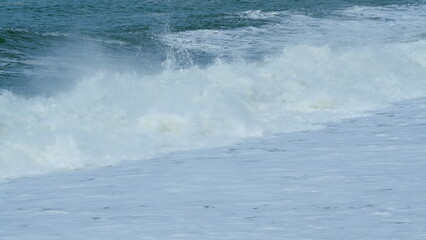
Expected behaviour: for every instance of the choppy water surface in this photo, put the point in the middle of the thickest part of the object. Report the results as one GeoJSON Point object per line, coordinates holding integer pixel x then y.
{"type": "Point", "coordinates": [92, 83]}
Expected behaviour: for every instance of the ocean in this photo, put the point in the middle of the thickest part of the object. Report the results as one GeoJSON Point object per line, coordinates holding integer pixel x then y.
{"type": "Point", "coordinates": [88, 84]}
{"type": "Point", "coordinates": [119, 115]}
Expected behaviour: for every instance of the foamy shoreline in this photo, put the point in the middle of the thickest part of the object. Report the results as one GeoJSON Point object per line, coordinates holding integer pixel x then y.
{"type": "Point", "coordinates": [362, 178]}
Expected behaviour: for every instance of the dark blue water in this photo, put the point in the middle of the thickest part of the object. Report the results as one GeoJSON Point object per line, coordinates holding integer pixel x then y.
{"type": "Point", "coordinates": [44, 43]}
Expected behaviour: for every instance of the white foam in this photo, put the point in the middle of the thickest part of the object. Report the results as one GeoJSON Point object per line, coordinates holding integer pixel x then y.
{"type": "Point", "coordinates": [351, 26]}
{"type": "Point", "coordinates": [258, 14]}
{"type": "Point", "coordinates": [54, 34]}
{"type": "Point", "coordinates": [112, 116]}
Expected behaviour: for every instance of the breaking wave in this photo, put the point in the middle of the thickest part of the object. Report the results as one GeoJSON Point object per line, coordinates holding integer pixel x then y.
{"type": "Point", "coordinates": [113, 116]}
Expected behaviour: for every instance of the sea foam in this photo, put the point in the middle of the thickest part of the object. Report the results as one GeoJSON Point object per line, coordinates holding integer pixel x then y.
{"type": "Point", "coordinates": [113, 116]}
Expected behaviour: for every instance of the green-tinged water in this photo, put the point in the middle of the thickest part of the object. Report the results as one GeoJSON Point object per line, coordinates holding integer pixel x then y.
{"type": "Point", "coordinates": [44, 43]}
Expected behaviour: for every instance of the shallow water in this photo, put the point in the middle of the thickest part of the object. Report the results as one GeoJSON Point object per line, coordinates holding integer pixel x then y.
{"type": "Point", "coordinates": [361, 178]}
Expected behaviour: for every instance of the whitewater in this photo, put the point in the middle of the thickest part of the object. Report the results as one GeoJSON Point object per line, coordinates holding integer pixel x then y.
{"type": "Point", "coordinates": [226, 121]}
{"type": "Point", "coordinates": [361, 178]}
{"type": "Point", "coordinates": [113, 116]}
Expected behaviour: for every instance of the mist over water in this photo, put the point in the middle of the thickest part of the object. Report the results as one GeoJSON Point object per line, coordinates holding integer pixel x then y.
{"type": "Point", "coordinates": [89, 94]}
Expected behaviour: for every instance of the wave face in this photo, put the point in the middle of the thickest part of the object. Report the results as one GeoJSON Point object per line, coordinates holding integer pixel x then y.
{"type": "Point", "coordinates": [112, 116]}
{"type": "Point", "coordinates": [137, 82]}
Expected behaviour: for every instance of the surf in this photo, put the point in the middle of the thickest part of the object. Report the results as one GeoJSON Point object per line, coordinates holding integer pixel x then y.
{"type": "Point", "coordinates": [111, 116]}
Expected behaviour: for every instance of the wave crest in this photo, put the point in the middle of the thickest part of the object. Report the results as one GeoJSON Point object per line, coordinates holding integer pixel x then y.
{"type": "Point", "coordinates": [112, 116]}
